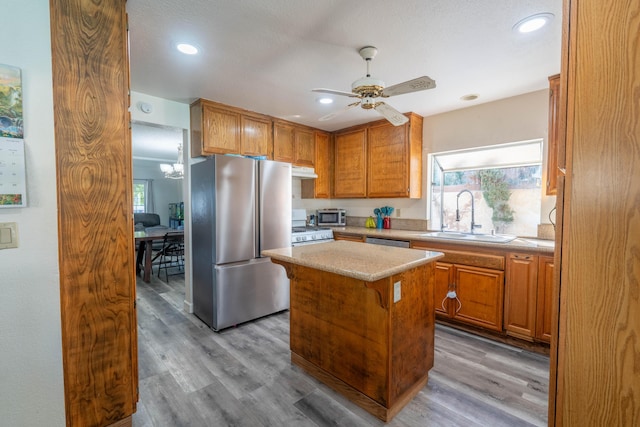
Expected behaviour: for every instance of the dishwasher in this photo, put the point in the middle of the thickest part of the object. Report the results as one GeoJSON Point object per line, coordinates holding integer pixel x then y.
{"type": "Point", "coordinates": [387, 242]}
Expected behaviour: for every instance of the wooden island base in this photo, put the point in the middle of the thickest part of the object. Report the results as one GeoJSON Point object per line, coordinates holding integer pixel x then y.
{"type": "Point", "coordinates": [360, 399]}
{"type": "Point", "coordinates": [371, 341]}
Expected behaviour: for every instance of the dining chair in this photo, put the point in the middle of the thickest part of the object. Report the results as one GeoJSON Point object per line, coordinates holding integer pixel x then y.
{"type": "Point", "coordinates": [171, 256]}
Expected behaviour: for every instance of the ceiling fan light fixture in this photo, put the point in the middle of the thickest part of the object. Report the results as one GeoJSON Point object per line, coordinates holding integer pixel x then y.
{"type": "Point", "coordinates": [325, 100]}
{"type": "Point", "coordinates": [533, 22]}
{"type": "Point", "coordinates": [187, 49]}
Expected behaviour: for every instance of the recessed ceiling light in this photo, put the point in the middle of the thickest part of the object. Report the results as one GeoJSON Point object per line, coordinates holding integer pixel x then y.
{"type": "Point", "coordinates": [533, 22]}
{"type": "Point", "coordinates": [187, 49]}
{"type": "Point", "coordinates": [469, 97]}
{"type": "Point", "coordinates": [325, 100]}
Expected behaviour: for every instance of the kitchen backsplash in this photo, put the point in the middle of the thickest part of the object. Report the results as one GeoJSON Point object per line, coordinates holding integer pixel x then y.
{"type": "Point", "coordinates": [396, 223]}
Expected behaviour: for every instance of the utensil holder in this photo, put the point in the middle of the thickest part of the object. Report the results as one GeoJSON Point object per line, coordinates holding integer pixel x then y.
{"type": "Point", "coordinates": [379, 222]}
{"type": "Point", "coordinates": [386, 222]}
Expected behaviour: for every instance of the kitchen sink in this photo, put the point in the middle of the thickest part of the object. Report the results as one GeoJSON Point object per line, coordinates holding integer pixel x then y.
{"type": "Point", "coordinates": [490, 238]}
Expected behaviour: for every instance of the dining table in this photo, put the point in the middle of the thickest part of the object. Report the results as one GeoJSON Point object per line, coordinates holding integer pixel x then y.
{"type": "Point", "coordinates": [144, 242]}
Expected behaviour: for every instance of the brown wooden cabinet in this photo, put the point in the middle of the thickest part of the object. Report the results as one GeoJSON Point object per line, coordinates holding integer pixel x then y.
{"type": "Point", "coordinates": [379, 160]}
{"type": "Point", "coordinates": [521, 292]}
{"type": "Point", "coordinates": [544, 311]}
{"type": "Point", "coordinates": [256, 138]}
{"type": "Point", "coordinates": [350, 164]}
{"type": "Point", "coordinates": [478, 285]}
{"type": "Point", "coordinates": [283, 141]}
{"type": "Point", "coordinates": [395, 159]}
{"type": "Point", "coordinates": [552, 135]}
{"type": "Point", "coordinates": [350, 237]}
{"type": "Point", "coordinates": [444, 282]}
{"type": "Point", "coordinates": [320, 188]}
{"type": "Point", "coordinates": [304, 153]}
{"type": "Point", "coordinates": [221, 129]}
{"type": "Point", "coordinates": [96, 262]}
{"type": "Point", "coordinates": [293, 143]}
{"type": "Point", "coordinates": [480, 293]}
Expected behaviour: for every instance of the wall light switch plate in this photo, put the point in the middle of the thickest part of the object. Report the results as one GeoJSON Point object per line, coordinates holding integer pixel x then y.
{"type": "Point", "coordinates": [8, 235]}
{"type": "Point", "coordinates": [396, 292]}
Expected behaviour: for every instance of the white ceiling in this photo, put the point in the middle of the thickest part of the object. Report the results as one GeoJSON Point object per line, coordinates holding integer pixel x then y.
{"type": "Point", "coordinates": [267, 55]}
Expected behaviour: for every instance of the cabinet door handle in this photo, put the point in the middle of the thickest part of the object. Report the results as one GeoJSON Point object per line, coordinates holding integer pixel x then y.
{"type": "Point", "coordinates": [522, 256]}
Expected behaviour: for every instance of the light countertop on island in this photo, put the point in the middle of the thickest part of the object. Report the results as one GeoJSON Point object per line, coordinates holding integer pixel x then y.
{"type": "Point", "coordinates": [356, 260]}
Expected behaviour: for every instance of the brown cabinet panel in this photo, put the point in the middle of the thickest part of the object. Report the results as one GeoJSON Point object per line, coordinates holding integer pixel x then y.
{"type": "Point", "coordinates": [481, 295]}
{"type": "Point", "coordinates": [221, 130]}
{"type": "Point", "coordinates": [552, 136]}
{"type": "Point", "coordinates": [521, 295]}
{"type": "Point", "coordinates": [283, 142]}
{"type": "Point", "coordinates": [388, 161]}
{"type": "Point", "coordinates": [444, 282]}
{"type": "Point", "coordinates": [95, 222]}
{"type": "Point", "coordinates": [304, 147]}
{"type": "Point", "coordinates": [544, 312]}
{"type": "Point", "coordinates": [350, 237]}
{"type": "Point", "coordinates": [257, 136]}
{"type": "Point", "coordinates": [350, 163]}
{"type": "Point", "coordinates": [320, 188]}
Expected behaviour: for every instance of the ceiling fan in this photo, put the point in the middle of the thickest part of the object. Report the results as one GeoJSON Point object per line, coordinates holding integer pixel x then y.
{"type": "Point", "coordinates": [368, 89]}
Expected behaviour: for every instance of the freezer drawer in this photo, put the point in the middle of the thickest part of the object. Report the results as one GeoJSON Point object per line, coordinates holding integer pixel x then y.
{"type": "Point", "coordinates": [246, 291]}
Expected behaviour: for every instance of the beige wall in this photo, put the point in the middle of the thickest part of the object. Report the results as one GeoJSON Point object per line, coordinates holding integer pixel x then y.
{"type": "Point", "coordinates": [31, 382]}
{"type": "Point", "coordinates": [513, 119]}
{"type": "Point", "coordinates": [518, 118]}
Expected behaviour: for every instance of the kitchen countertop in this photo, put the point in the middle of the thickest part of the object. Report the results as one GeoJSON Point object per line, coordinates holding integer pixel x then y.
{"type": "Point", "coordinates": [521, 243]}
{"type": "Point", "coordinates": [352, 259]}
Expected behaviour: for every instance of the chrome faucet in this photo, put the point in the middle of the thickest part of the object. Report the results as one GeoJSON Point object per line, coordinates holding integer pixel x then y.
{"type": "Point", "coordinates": [473, 210]}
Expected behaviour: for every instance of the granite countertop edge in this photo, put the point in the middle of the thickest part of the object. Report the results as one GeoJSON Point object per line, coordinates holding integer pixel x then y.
{"type": "Point", "coordinates": [362, 266]}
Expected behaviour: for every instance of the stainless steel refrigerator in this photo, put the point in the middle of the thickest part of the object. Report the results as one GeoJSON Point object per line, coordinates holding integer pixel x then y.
{"type": "Point", "coordinates": [239, 207]}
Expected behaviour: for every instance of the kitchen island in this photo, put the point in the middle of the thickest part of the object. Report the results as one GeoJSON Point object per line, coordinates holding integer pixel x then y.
{"type": "Point", "coordinates": [362, 319]}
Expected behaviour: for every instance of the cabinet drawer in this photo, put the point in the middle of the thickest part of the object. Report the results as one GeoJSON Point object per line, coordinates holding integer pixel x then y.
{"type": "Point", "coordinates": [495, 262]}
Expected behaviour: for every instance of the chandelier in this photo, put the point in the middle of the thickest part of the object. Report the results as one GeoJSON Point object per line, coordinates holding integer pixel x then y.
{"type": "Point", "coordinates": [175, 171]}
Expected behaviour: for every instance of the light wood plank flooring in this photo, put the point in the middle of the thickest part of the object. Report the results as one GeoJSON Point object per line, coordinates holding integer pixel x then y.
{"type": "Point", "coordinates": [192, 376]}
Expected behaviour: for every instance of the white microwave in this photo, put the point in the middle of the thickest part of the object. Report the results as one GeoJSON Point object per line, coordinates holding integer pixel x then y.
{"type": "Point", "coordinates": [331, 217]}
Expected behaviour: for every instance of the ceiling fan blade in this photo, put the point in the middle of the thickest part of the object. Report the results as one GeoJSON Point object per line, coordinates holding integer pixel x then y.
{"type": "Point", "coordinates": [415, 85]}
{"type": "Point", "coordinates": [336, 92]}
{"type": "Point", "coordinates": [394, 116]}
{"type": "Point", "coordinates": [335, 113]}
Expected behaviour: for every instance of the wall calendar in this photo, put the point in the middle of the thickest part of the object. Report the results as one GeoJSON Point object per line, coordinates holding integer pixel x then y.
{"type": "Point", "coordinates": [13, 188]}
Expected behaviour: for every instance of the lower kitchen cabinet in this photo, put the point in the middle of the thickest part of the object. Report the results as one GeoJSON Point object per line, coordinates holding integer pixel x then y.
{"type": "Point", "coordinates": [480, 294]}
{"type": "Point", "coordinates": [350, 237]}
{"type": "Point", "coordinates": [521, 295]}
{"type": "Point", "coordinates": [545, 298]}
{"type": "Point", "coordinates": [471, 293]}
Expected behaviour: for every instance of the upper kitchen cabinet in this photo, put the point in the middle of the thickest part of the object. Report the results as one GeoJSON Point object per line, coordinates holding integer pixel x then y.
{"type": "Point", "coordinates": [256, 138]}
{"type": "Point", "coordinates": [293, 143]}
{"type": "Point", "coordinates": [350, 164]}
{"type": "Point", "coordinates": [320, 188]}
{"type": "Point", "coordinates": [221, 129]}
{"type": "Point", "coordinates": [552, 137]}
{"type": "Point", "coordinates": [379, 160]}
{"type": "Point", "coordinates": [395, 159]}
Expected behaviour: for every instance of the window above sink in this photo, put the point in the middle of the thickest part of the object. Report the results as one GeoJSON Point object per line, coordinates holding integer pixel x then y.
{"type": "Point", "coordinates": [503, 183]}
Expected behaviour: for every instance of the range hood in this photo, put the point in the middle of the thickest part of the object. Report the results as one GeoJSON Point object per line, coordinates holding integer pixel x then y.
{"type": "Point", "coordinates": [303, 173]}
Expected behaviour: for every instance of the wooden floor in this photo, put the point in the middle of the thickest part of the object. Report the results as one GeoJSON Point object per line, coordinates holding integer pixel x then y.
{"type": "Point", "coordinates": [192, 376]}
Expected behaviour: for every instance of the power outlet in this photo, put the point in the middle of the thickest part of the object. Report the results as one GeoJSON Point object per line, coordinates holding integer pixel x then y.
{"type": "Point", "coordinates": [8, 235]}
{"type": "Point", "coordinates": [397, 291]}
{"type": "Point", "coordinates": [398, 213]}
